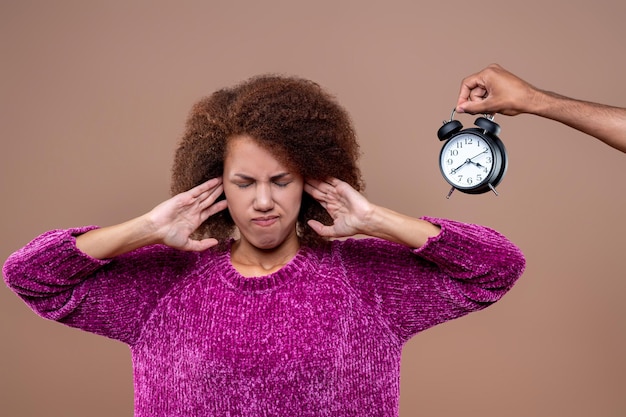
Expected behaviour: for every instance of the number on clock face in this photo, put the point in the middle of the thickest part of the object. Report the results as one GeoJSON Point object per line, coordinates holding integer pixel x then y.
{"type": "Point", "coordinates": [466, 160]}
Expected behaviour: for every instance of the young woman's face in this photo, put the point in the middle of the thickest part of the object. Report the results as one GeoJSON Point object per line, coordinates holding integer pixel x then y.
{"type": "Point", "coordinates": [264, 196]}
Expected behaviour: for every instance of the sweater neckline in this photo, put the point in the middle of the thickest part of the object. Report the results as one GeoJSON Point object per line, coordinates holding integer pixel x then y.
{"type": "Point", "coordinates": [235, 280]}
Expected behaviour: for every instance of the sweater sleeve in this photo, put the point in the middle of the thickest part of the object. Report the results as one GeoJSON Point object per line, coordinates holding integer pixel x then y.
{"type": "Point", "coordinates": [112, 298]}
{"type": "Point", "coordinates": [465, 268]}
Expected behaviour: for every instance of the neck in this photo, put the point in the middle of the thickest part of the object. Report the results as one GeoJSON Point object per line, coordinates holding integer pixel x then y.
{"type": "Point", "coordinates": [250, 261]}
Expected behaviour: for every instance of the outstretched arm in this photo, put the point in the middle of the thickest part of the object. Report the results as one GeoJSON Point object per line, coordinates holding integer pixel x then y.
{"type": "Point", "coordinates": [475, 265]}
{"type": "Point", "coordinates": [85, 289]}
{"type": "Point", "coordinates": [496, 90]}
{"type": "Point", "coordinates": [170, 223]}
{"type": "Point", "coordinates": [353, 214]}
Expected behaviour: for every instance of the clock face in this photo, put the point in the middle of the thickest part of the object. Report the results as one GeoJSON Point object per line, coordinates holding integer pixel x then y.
{"type": "Point", "coordinates": [466, 160]}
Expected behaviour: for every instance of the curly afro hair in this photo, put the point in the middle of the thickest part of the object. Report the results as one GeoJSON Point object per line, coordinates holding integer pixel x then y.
{"type": "Point", "coordinates": [293, 118]}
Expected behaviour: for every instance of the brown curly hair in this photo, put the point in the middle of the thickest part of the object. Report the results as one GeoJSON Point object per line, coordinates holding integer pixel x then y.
{"type": "Point", "coordinates": [293, 118]}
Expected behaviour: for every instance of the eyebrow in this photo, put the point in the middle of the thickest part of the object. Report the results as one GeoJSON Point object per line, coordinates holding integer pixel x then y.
{"type": "Point", "coordinates": [272, 178]}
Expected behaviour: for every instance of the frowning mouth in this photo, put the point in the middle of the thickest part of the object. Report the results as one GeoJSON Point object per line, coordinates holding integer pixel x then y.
{"type": "Point", "coordinates": [265, 221]}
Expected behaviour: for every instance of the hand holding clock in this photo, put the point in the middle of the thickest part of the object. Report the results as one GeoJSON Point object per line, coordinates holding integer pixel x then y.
{"type": "Point", "coordinates": [496, 90]}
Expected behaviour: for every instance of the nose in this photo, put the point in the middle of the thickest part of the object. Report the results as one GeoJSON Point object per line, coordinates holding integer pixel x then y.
{"type": "Point", "coordinates": [263, 198]}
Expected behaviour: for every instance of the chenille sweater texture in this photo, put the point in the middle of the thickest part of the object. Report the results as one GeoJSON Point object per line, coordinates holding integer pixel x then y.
{"type": "Point", "coordinates": [322, 336]}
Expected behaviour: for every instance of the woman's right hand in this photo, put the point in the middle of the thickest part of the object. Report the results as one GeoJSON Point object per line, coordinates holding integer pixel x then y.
{"type": "Point", "coordinates": [174, 220]}
{"type": "Point", "coordinates": [171, 223]}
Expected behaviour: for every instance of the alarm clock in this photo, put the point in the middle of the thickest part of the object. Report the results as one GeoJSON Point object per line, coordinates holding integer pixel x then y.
{"type": "Point", "coordinates": [472, 160]}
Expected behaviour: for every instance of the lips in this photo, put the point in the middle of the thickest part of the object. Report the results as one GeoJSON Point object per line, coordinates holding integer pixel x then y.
{"type": "Point", "coordinates": [265, 221]}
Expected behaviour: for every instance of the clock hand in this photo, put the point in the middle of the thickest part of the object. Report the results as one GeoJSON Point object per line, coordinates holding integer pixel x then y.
{"type": "Point", "coordinates": [459, 167]}
{"type": "Point", "coordinates": [469, 161]}
{"type": "Point", "coordinates": [476, 156]}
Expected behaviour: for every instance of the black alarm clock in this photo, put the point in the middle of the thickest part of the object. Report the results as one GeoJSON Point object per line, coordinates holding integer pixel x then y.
{"type": "Point", "coordinates": [472, 160]}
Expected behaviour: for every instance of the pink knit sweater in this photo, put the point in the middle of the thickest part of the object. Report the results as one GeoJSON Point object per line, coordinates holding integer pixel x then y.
{"type": "Point", "coordinates": [320, 337]}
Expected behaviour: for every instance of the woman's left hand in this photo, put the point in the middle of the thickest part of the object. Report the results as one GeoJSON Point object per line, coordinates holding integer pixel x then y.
{"type": "Point", "coordinates": [350, 210]}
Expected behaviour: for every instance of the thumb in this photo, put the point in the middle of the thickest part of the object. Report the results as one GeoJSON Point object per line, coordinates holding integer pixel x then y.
{"type": "Point", "coordinates": [319, 228]}
{"type": "Point", "coordinates": [474, 107]}
{"type": "Point", "coordinates": [200, 245]}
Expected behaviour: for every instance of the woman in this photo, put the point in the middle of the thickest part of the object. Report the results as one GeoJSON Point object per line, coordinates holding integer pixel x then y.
{"type": "Point", "coordinates": [234, 296]}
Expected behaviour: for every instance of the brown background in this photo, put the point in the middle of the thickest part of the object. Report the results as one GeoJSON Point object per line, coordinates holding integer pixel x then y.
{"type": "Point", "coordinates": [94, 96]}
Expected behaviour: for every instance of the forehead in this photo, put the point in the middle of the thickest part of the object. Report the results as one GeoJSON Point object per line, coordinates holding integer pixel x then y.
{"type": "Point", "coordinates": [245, 152]}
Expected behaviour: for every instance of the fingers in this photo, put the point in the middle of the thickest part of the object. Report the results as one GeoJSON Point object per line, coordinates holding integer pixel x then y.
{"type": "Point", "coordinates": [213, 209]}
{"type": "Point", "coordinates": [205, 186]}
{"type": "Point", "coordinates": [204, 196]}
{"type": "Point", "coordinates": [477, 90]}
{"type": "Point", "coordinates": [319, 189]}
{"type": "Point", "coordinates": [323, 192]}
{"type": "Point", "coordinates": [473, 91]}
{"type": "Point", "coordinates": [495, 90]}
{"type": "Point", "coordinates": [207, 198]}
{"type": "Point", "coordinates": [479, 103]}
{"type": "Point", "coordinates": [312, 187]}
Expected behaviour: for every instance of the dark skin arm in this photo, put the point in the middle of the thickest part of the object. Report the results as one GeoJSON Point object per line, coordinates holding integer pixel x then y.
{"type": "Point", "coordinates": [496, 90]}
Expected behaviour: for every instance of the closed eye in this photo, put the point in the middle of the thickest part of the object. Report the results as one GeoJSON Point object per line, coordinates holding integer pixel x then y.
{"type": "Point", "coordinates": [281, 180]}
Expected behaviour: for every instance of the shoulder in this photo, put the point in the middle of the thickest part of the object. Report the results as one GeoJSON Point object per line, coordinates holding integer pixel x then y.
{"type": "Point", "coordinates": [369, 250]}
{"type": "Point", "coordinates": [365, 243]}
{"type": "Point", "coordinates": [165, 259]}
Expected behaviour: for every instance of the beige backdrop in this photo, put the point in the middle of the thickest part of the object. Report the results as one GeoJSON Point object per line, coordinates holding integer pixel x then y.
{"type": "Point", "coordinates": [94, 96]}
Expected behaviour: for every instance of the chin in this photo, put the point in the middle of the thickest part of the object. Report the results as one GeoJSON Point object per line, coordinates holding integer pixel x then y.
{"type": "Point", "coordinates": [268, 245]}
{"type": "Point", "coordinates": [268, 241]}
{"type": "Point", "coordinates": [265, 243]}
